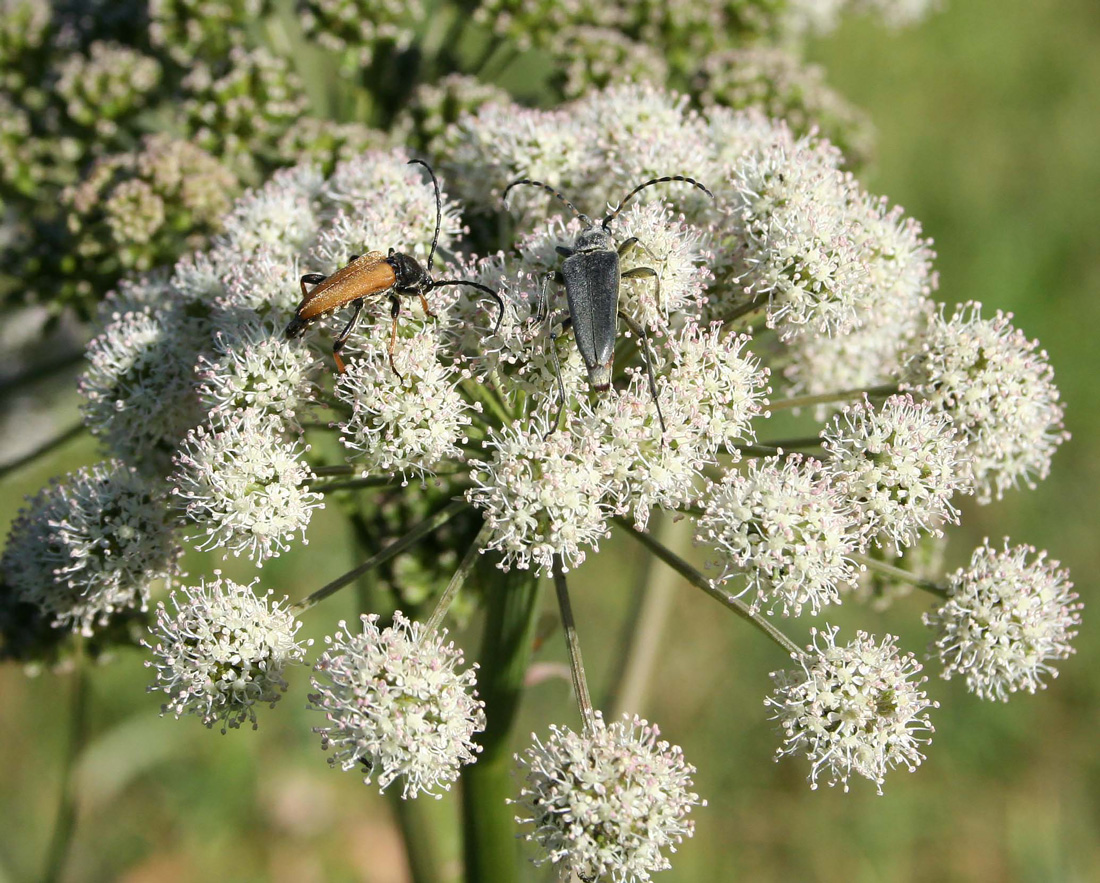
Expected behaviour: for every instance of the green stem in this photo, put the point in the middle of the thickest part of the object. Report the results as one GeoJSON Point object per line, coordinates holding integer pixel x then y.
{"type": "Point", "coordinates": [793, 444]}
{"type": "Point", "coordinates": [425, 527]}
{"type": "Point", "coordinates": [325, 471]}
{"type": "Point", "coordinates": [65, 824]}
{"type": "Point", "coordinates": [887, 389]}
{"type": "Point", "coordinates": [697, 579]}
{"type": "Point", "coordinates": [45, 448]}
{"type": "Point", "coordinates": [356, 483]}
{"type": "Point", "coordinates": [900, 573]}
{"type": "Point", "coordinates": [576, 663]}
{"type": "Point", "coordinates": [492, 854]}
{"type": "Point", "coordinates": [457, 581]}
{"type": "Point", "coordinates": [419, 832]}
{"type": "Point", "coordinates": [40, 372]}
{"type": "Point", "coordinates": [744, 310]}
{"type": "Point", "coordinates": [478, 392]}
{"type": "Point", "coordinates": [651, 608]}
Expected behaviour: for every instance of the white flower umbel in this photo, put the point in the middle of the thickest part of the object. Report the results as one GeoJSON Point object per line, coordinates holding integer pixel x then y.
{"type": "Point", "coordinates": [396, 704]}
{"type": "Point", "coordinates": [222, 652]}
{"type": "Point", "coordinates": [244, 486]}
{"type": "Point", "coordinates": [605, 803]}
{"type": "Point", "coordinates": [254, 366]}
{"type": "Point", "coordinates": [542, 493]}
{"type": "Point", "coordinates": [899, 465]}
{"type": "Point", "coordinates": [856, 709]}
{"type": "Point", "coordinates": [713, 374]}
{"type": "Point", "coordinates": [263, 284]}
{"type": "Point", "coordinates": [1005, 620]}
{"type": "Point", "coordinates": [639, 131]}
{"type": "Point", "coordinates": [786, 527]}
{"type": "Point", "coordinates": [800, 237]}
{"type": "Point", "coordinates": [502, 142]}
{"type": "Point", "coordinates": [407, 423]}
{"type": "Point", "coordinates": [88, 546]}
{"type": "Point", "coordinates": [998, 389]}
{"type": "Point", "coordinates": [708, 397]}
{"type": "Point", "coordinates": [278, 218]}
{"type": "Point", "coordinates": [644, 466]}
{"type": "Point", "coordinates": [137, 389]}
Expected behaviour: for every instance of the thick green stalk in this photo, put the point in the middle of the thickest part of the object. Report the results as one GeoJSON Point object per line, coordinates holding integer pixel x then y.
{"type": "Point", "coordinates": [65, 823]}
{"type": "Point", "coordinates": [421, 837]}
{"type": "Point", "coordinates": [492, 854]}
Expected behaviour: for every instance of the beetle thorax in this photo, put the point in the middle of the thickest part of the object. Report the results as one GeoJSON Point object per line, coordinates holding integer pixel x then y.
{"type": "Point", "coordinates": [411, 277]}
{"type": "Point", "coordinates": [594, 239]}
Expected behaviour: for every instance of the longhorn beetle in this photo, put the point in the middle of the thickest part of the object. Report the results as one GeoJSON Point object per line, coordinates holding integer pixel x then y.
{"type": "Point", "coordinates": [374, 274]}
{"type": "Point", "coordinates": [591, 274]}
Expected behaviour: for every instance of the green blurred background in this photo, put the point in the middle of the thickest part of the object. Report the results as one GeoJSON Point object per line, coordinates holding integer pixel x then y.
{"type": "Point", "coordinates": [987, 117]}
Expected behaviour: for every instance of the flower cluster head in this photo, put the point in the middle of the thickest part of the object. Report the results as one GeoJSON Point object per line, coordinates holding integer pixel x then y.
{"type": "Point", "coordinates": [768, 263]}
{"type": "Point", "coordinates": [127, 212]}
{"type": "Point", "coordinates": [998, 389]}
{"type": "Point", "coordinates": [357, 29]}
{"type": "Point", "coordinates": [254, 367]}
{"type": "Point", "coordinates": [1007, 617]}
{"type": "Point", "coordinates": [774, 80]}
{"type": "Point", "coordinates": [137, 388]}
{"type": "Point", "coordinates": [242, 105]}
{"type": "Point", "coordinates": [88, 547]}
{"type": "Point", "coordinates": [110, 83]}
{"type": "Point", "coordinates": [900, 464]}
{"type": "Point", "coordinates": [826, 257]}
{"type": "Point", "coordinates": [194, 29]}
{"type": "Point", "coordinates": [605, 802]}
{"type": "Point", "coordinates": [543, 493]}
{"type": "Point", "coordinates": [786, 527]}
{"type": "Point", "coordinates": [222, 651]}
{"type": "Point", "coordinates": [245, 487]}
{"type": "Point", "coordinates": [407, 422]}
{"type": "Point", "coordinates": [397, 704]}
{"type": "Point", "coordinates": [854, 709]}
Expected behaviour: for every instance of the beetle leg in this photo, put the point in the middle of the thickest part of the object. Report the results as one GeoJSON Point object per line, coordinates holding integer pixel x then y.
{"type": "Point", "coordinates": [395, 311]}
{"type": "Point", "coordinates": [643, 273]}
{"type": "Point", "coordinates": [427, 309]}
{"type": "Point", "coordinates": [342, 337]}
{"type": "Point", "coordinates": [552, 344]}
{"type": "Point", "coordinates": [635, 242]}
{"type": "Point", "coordinates": [353, 258]}
{"type": "Point", "coordinates": [639, 329]}
{"type": "Point", "coordinates": [311, 279]}
{"type": "Point", "coordinates": [564, 251]}
{"type": "Point", "coordinates": [543, 309]}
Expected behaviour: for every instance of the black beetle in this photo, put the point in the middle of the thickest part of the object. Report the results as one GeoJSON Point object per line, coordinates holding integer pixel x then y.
{"type": "Point", "coordinates": [591, 273]}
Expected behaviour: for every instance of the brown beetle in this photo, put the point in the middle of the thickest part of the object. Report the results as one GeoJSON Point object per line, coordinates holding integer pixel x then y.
{"type": "Point", "coordinates": [375, 274]}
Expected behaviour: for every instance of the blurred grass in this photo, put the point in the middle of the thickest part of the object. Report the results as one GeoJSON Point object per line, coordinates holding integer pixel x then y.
{"type": "Point", "coordinates": [988, 133]}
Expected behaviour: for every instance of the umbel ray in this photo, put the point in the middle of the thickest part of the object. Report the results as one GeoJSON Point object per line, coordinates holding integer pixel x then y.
{"type": "Point", "coordinates": [394, 275]}
{"type": "Point", "coordinates": [592, 273]}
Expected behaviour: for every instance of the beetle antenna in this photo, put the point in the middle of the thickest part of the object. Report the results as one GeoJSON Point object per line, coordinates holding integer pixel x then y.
{"type": "Point", "coordinates": [438, 209]}
{"type": "Point", "coordinates": [548, 189]}
{"type": "Point", "coordinates": [439, 283]}
{"type": "Point", "coordinates": [611, 217]}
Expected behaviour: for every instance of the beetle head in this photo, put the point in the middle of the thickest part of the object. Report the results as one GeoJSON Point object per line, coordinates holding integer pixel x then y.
{"type": "Point", "coordinates": [411, 277]}
{"type": "Point", "coordinates": [594, 238]}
